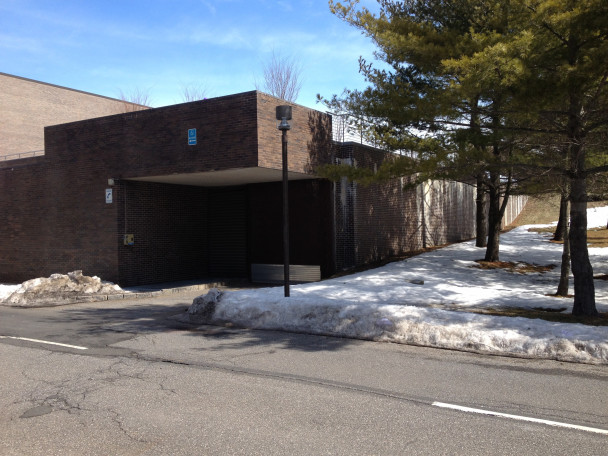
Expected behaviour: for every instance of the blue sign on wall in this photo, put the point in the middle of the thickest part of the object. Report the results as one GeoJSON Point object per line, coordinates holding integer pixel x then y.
{"type": "Point", "coordinates": [192, 137]}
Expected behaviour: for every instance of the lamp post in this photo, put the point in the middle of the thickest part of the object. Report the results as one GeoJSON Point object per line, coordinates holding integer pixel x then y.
{"type": "Point", "coordinates": [283, 114]}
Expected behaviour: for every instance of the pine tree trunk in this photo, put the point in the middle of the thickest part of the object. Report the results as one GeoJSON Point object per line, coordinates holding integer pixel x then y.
{"type": "Point", "coordinates": [584, 287]}
{"type": "Point", "coordinates": [562, 224]}
{"type": "Point", "coordinates": [564, 278]}
{"type": "Point", "coordinates": [481, 229]}
{"type": "Point", "coordinates": [494, 219]}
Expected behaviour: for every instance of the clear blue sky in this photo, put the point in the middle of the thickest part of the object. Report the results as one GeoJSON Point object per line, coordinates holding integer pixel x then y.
{"type": "Point", "coordinates": [161, 46]}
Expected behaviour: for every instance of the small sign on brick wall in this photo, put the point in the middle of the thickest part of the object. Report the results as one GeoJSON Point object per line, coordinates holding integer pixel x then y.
{"type": "Point", "coordinates": [108, 196]}
{"type": "Point", "coordinates": [192, 137]}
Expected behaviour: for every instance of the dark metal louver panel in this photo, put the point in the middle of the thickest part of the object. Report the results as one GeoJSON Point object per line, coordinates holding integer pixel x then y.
{"type": "Point", "coordinates": [273, 273]}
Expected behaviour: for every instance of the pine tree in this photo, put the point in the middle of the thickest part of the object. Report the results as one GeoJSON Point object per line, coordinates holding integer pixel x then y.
{"type": "Point", "coordinates": [431, 102]}
{"type": "Point", "coordinates": [496, 90]}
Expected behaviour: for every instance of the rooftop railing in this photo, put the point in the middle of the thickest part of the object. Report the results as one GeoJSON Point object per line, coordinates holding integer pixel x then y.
{"type": "Point", "coordinates": [33, 153]}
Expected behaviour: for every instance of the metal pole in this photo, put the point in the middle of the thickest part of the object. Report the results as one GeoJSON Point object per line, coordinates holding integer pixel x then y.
{"type": "Point", "coordinates": [285, 217]}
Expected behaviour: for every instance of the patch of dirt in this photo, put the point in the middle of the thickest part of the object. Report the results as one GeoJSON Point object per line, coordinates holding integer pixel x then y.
{"type": "Point", "coordinates": [545, 314]}
{"type": "Point", "coordinates": [550, 309]}
{"type": "Point", "coordinates": [544, 229]}
{"type": "Point", "coordinates": [555, 295]}
{"type": "Point", "coordinates": [597, 237]}
{"type": "Point", "coordinates": [521, 267]}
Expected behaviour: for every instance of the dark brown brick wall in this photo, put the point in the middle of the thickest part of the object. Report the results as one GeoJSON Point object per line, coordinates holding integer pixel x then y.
{"type": "Point", "coordinates": [171, 228]}
{"type": "Point", "coordinates": [53, 222]}
{"type": "Point", "coordinates": [155, 142]}
{"type": "Point", "coordinates": [58, 216]}
{"type": "Point", "coordinates": [309, 140]}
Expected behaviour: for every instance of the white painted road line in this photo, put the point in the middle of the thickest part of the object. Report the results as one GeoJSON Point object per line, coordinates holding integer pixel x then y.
{"type": "Point", "coordinates": [520, 418]}
{"type": "Point", "coordinates": [44, 342]}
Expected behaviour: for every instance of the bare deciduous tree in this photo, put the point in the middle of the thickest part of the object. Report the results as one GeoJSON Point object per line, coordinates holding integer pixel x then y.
{"type": "Point", "coordinates": [136, 100]}
{"type": "Point", "coordinates": [193, 92]}
{"type": "Point", "coordinates": [282, 77]}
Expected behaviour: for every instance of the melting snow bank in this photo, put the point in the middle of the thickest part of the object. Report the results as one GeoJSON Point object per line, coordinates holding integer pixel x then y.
{"type": "Point", "coordinates": [397, 302]}
{"type": "Point", "coordinates": [409, 325]}
{"type": "Point", "coordinates": [56, 290]}
{"type": "Point", "coordinates": [423, 301]}
{"type": "Point", "coordinates": [6, 291]}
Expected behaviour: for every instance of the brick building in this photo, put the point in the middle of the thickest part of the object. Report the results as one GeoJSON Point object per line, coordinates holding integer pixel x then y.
{"type": "Point", "coordinates": [127, 197]}
{"type": "Point", "coordinates": [27, 106]}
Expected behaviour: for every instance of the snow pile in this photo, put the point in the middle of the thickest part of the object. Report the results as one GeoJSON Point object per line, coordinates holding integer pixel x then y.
{"type": "Point", "coordinates": [424, 301]}
{"type": "Point", "coordinates": [203, 307]}
{"type": "Point", "coordinates": [57, 289]}
{"type": "Point", "coordinates": [6, 290]}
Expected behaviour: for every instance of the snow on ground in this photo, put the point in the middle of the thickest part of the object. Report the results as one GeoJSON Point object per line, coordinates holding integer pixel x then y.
{"type": "Point", "coordinates": [392, 304]}
{"type": "Point", "coordinates": [7, 290]}
{"type": "Point", "coordinates": [423, 301]}
{"type": "Point", "coordinates": [57, 289]}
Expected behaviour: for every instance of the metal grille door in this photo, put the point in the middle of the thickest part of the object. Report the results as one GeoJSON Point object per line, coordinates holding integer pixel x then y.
{"type": "Point", "coordinates": [227, 231]}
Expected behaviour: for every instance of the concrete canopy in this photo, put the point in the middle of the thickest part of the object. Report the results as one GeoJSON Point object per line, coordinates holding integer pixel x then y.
{"type": "Point", "coordinates": [227, 177]}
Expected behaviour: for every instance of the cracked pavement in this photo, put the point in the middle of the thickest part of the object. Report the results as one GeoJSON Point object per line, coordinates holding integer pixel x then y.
{"type": "Point", "coordinates": [150, 386]}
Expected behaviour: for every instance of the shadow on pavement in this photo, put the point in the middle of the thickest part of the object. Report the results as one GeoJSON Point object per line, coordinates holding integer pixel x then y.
{"type": "Point", "coordinates": [101, 324]}
{"type": "Point", "coordinates": [235, 338]}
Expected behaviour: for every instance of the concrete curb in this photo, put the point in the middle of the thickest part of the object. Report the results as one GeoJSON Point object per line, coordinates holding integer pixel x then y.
{"type": "Point", "coordinates": [137, 293]}
{"type": "Point", "coordinates": [154, 292]}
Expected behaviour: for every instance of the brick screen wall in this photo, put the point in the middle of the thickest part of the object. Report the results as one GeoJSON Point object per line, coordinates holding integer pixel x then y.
{"type": "Point", "coordinates": [449, 211]}
{"type": "Point", "coordinates": [376, 221]}
{"type": "Point", "coordinates": [384, 219]}
{"type": "Point", "coordinates": [310, 220]}
{"type": "Point", "coordinates": [169, 224]}
{"type": "Point", "coordinates": [173, 240]}
{"type": "Point", "coordinates": [515, 205]}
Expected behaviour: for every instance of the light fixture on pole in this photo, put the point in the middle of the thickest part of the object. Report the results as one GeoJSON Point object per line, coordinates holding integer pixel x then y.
{"type": "Point", "coordinates": [283, 114]}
